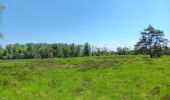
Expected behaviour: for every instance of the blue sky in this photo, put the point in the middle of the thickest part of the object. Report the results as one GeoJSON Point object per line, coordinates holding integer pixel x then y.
{"type": "Point", "coordinates": [107, 23]}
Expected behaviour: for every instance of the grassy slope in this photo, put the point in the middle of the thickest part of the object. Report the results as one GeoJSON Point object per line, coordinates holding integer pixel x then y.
{"type": "Point", "coordinates": [103, 78]}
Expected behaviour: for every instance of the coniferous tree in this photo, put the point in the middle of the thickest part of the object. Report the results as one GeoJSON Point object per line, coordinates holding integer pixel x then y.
{"type": "Point", "coordinates": [152, 41]}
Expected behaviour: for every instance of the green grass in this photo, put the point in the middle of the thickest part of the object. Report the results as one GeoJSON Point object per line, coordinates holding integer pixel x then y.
{"type": "Point", "coordinates": [88, 78]}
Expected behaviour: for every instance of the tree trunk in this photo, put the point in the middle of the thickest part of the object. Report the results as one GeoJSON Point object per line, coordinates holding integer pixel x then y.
{"type": "Point", "coordinates": [150, 52]}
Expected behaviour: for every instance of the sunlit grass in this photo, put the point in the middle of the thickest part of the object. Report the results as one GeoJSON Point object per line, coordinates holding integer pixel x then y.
{"type": "Point", "coordinates": [103, 78]}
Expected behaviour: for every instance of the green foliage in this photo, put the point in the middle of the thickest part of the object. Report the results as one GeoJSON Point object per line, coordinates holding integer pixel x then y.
{"type": "Point", "coordinates": [102, 52]}
{"type": "Point", "coordinates": [123, 51]}
{"type": "Point", "coordinates": [57, 50]}
{"type": "Point", "coordinates": [1, 52]}
{"type": "Point", "coordinates": [86, 49]}
{"type": "Point", "coordinates": [78, 51]}
{"type": "Point", "coordinates": [66, 50]}
{"type": "Point", "coordinates": [46, 52]}
{"type": "Point", "coordinates": [63, 50]}
{"type": "Point", "coordinates": [166, 50]}
{"type": "Point", "coordinates": [29, 51]}
{"type": "Point", "coordinates": [152, 42]}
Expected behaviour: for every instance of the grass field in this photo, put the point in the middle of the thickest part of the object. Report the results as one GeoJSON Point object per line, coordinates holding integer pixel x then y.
{"type": "Point", "coordinates": [88, 78]}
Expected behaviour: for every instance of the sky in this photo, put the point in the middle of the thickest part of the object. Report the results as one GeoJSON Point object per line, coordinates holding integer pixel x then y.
{"type": "Point", "coordinates": [109, 23]}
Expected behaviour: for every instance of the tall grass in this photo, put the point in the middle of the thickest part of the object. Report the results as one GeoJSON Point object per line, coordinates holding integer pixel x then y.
{"type": "Point", "coordinates": [89, 78]}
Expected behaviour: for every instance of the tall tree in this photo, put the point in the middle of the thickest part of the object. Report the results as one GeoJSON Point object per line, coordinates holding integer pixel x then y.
{"type": "Point", "coordinates": [87, 49]}
{"type": "Point", "coordinates": [152, 40]}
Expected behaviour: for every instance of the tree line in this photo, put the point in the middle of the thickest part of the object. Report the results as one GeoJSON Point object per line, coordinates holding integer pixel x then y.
{"type": "Point", "coordinates": [152, 42]}
{"type": "Point", "coordinates": [57, 50]}
{"type": "Point", "coordinates": [63, 50]}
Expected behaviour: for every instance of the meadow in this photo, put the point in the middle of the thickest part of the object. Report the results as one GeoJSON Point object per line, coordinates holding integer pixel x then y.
{"type": "Point", "coordinates": [86, 78]}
